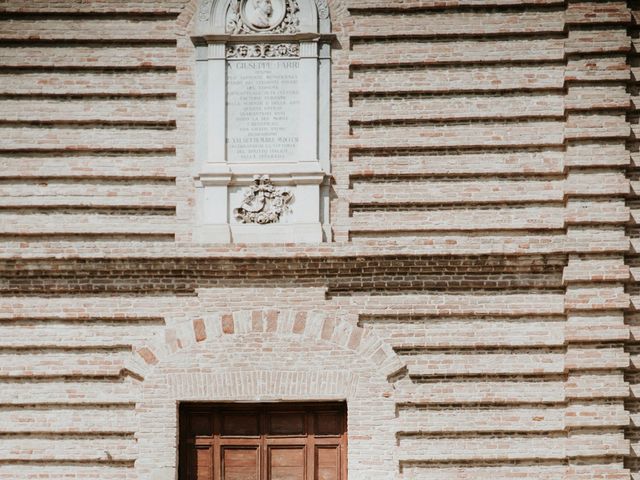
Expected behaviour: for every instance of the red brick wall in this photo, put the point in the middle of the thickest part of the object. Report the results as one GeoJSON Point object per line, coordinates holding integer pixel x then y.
{"type": "Point", "coordinates": [483, 155]}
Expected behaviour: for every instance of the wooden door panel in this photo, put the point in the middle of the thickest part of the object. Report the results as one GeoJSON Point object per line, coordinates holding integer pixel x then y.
{"type": "Point", "coordinates": [200, 425]}
{"type": "Point", "coordinates": [327, 463]}
{"type": "Point", "coordinates": [286, 463]}
{"type": "Point", "coordinates": [240, 424]}
{"type": "Point", "coordinates": [287, 423]}
{"type": "Point", "coordinates": [203, 468]}
{"type": "Point", "coordinates": [328, 423]}
{"type": "Point", "coordinates": [263, 442]}
{"type": "Point", "coordinates": [240, 463]}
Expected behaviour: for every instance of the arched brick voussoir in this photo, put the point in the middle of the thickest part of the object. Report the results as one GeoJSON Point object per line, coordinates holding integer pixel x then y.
{"type": "Point", "coordinates": [267, 356]}
{"type": "Point", "coordinates": [312, 325]}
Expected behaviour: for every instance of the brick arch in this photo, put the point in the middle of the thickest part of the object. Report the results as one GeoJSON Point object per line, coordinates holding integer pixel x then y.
{"type": "Point", "coordinates": [301, 324]}
{"type": "Point", "coordinates": [267, 356]}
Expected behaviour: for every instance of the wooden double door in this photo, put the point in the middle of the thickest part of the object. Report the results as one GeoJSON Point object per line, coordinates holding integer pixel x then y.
{"type": "Point", "coordinates": [263, 441]}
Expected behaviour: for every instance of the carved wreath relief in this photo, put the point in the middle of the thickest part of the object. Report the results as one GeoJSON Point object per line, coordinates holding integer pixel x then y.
{"type": "Point", "coordinates": [263, 203]}
{"type": "Point", "coordinates": [262, 16]}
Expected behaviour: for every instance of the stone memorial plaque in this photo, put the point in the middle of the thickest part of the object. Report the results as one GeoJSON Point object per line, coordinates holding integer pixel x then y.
{"type": "Point", "coordinates": [263, 88]}
{"type": "Point", "coordinates": [263, 110]}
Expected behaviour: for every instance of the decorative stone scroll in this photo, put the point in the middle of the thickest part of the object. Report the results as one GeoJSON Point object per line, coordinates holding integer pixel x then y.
{"type": "Point", "coordinates": [263, 203]}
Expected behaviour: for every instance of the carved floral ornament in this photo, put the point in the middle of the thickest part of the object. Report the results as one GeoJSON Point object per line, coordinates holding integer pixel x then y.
{"type": "Point", "coordinates": [263, 50]}
{"type": "Point", "coordinates": [263, 203]}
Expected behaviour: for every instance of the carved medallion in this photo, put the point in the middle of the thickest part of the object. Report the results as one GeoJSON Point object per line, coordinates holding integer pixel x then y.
{"type": "Point", "coordinates": [263, 16]}
{"type": "Point", "coordinates": [263, 203]}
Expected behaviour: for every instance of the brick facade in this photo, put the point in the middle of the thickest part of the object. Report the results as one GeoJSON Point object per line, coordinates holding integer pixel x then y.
{"type": "Point", "coordinates": [476, 307]}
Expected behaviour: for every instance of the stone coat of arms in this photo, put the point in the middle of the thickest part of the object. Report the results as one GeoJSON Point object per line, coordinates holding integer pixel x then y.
{"type": "Point", "coordinates": [263, 203]}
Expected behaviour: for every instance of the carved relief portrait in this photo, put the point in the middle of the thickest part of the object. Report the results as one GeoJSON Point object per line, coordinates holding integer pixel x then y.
{"type": "Point", "coordinates": [260, 14]}
{"type": "Point", "coordinates": [263, 14]}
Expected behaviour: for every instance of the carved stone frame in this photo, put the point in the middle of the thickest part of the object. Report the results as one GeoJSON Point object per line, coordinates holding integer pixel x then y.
{"type": "Point", "coordinates": [218, 180]}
